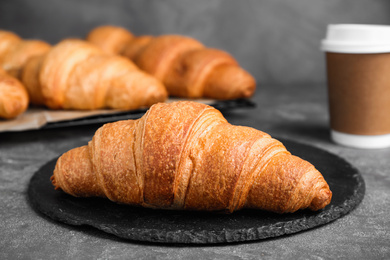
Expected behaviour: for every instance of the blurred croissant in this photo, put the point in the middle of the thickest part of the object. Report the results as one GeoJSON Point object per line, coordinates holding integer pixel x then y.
{"type": "Point", "coordinates": [15, 52]}
{"type": "Point", "coordinates": [13, 96]}
{"type": "Point", "coordinates": [185, 66]}
{"type": "Point", "coordinates": [75, 74]}
{"type": "Point", "coordinates": [186, 156]}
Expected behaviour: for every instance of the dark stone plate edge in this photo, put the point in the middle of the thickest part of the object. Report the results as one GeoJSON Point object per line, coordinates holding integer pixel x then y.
{"type": "Point", "coordinates": [225, 236]}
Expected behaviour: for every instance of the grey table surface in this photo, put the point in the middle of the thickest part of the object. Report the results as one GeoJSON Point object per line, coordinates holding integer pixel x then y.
{"type": "Point", "coordinates": [296, 112]}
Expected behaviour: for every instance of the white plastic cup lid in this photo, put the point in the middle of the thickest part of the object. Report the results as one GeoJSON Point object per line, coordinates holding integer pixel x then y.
{"type": "Point", "coordinates": [361, 141]}
{"type": "Point", "coordinates": [357, 38]}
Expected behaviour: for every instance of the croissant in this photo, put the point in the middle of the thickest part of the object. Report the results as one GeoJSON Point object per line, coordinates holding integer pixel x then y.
{"type": "Point", "coordinates": [185, 156]}
{"type": "Point", "coordinates": [75, 74]}
{"type": "Point", "coordinates": [111, 39]}
{"type": "Point", "coordinates": [30, 78]}
{"type": "Point", "coordinates": [7, 41]}
{"type": "Point", "coordinates": [13, 96]}
{"type": "Point", "coordinates": [185, 66]}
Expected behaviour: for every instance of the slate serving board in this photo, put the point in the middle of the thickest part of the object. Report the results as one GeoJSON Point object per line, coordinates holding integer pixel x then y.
{"type": "Point", "coordinates": [165, 226]}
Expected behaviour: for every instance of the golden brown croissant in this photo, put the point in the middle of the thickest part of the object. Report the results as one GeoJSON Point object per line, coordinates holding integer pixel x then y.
{"type": "Point", "coordinates": [7, 41]}
{"type": "Point", "coordinates": [75, 74]}
{"type": "Point", "coordinates": [13, 96]}
{"type": "Point", "coordinates": [111, 39]}
{"type": "Point", "coordinates": [16, 58]}
{"type": "Point", "coordinates": [186, 67]}
{"type": "Point", "coordinates": [186, 156]}
{"type": "Point", "coordinates": [30, 78]}
{"type": "Point", "coordinates": [15, 52]}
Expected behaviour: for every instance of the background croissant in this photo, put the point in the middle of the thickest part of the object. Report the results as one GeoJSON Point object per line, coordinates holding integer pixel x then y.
{"type": "Point", "coordinates": [13, 96]}
{"type": "Point", "coordinates": [185, 155]}
{"type": "Point", "coordinates": [75, 74]}
{"type": "Point", "coordinates": [14, 54]}
{"type": "Point", "coordinates": [185, 66]}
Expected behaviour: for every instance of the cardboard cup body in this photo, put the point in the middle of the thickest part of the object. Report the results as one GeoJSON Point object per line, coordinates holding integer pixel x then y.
{"type": "Point", "coordinates": [359, 96]}
{"type": "Point", "coordinates": [359, 93]}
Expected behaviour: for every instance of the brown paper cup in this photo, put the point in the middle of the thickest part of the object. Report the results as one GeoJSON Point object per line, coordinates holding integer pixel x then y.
{"type": "Point", "coordinates": [359, 85]}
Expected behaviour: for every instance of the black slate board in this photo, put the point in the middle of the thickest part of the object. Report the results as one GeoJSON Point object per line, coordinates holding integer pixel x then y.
{"type": "Point", "coordinates": [165, 226]}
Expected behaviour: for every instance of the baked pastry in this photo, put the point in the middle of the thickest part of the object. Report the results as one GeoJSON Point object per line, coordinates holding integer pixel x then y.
{"type": "Point", "coordinates": [75, 74]}
{"type": "Point", "coordinates": [7, 41]}
{"type": "Point", "coordinates": [186, 156]}
{"type": "Point", "coordinates": [15, 52]}
{"type": "Point", "coordinates": [111, 39]}
{"type": "Point", "coordinates": [30, 79]}
{"type": "Point", "coordinates": [13, 96]}
{"type": "Point", "coordinates": [185, 66]}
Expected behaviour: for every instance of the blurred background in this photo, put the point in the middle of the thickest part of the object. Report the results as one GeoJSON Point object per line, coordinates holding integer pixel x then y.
{"type": "Point", "coordinates": [277, 41]}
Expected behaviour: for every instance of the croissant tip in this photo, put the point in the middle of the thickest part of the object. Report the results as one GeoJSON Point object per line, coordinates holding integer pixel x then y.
{"type": "Point", "coordinates": [323, 198]}
{"type": "Point", "coordinates": [53, 181]}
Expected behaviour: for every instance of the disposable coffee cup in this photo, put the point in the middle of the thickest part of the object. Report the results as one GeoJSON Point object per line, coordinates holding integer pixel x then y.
{"type": "Point", "coordinates": [358, 78]}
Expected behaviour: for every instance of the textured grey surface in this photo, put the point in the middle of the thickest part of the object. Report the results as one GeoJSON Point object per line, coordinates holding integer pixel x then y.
{"type": "Point", "coordinates": [297, 112]}
{"type": "Point", "coordinates": [277, 41]}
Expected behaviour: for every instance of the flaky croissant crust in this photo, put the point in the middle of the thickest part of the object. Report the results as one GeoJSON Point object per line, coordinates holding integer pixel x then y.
{"type": "Point", "coordinates": [185, 66]}
{"type": "Point", "coordinates": [13, 96]}
{"type": "Point", "coordinates": [186, 156]}
{"type": "Point", "coordinates": [75, 74]}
